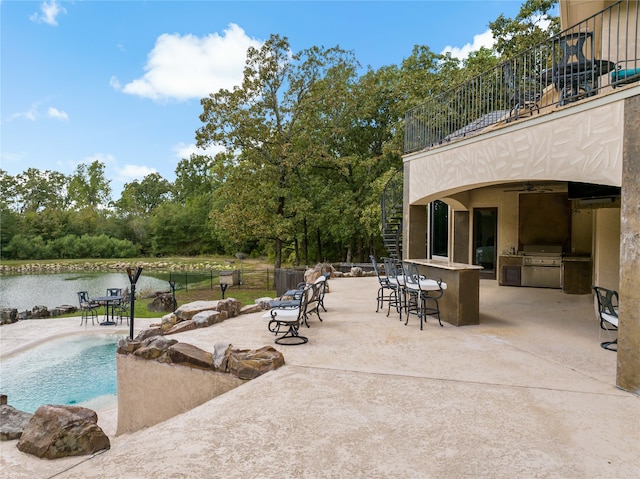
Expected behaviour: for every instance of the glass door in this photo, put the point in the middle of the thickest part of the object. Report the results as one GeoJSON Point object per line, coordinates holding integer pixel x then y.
{"type": "Point", "coordinates": [485, 229]}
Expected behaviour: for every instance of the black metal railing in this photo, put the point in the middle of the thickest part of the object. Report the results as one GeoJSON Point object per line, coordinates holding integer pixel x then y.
{"type": "Point", "coordinates": [600, 53]}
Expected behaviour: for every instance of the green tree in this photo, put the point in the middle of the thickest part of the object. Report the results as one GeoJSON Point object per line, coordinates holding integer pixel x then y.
{"type": "Point", "coordinates": [89, 187]}
{"type": "Point", "coordinates": [533, 24]}
{"type": "Point", "coordinates": [261, 126]}
{"type": "Point", "coordinates": [35, 190]}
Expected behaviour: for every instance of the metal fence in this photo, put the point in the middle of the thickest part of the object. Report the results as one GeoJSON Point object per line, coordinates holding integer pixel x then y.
{"type": "Point", "coordinates": [599, 53]}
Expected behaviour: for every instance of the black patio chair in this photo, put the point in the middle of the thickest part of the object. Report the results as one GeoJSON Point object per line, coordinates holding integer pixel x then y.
{"type": "Point", "coordinates": [89, 308]}
{"type": "Point", "coordinates": [607, 304]}
{"type": "Point", "coordinates": [386, 290]}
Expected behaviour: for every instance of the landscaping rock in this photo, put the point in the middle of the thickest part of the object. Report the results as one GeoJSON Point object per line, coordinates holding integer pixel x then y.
{"type": "Point", "coordinates": [12, 422]}
{"type": "Point", "coordinates": [62, 431]}
{"type": "Point", "coordinates": [8, 315]}
{"type": "Point", "coordinates": [189, 310]}
{"type": "Point", "coordinates": [190, 355]}
{"type": "Point", "coordinates": [249, 363]}
{"type": "Point", "coordinates": [207, 318]}
{"type": "Point", "coordinates": [182, 327]}
{"type": "Point", "coordinates": [162, 303]}
{"type": "Point", "coordinates": [251, 308]}
{"type": "Point", "coordinates": [148, 333]}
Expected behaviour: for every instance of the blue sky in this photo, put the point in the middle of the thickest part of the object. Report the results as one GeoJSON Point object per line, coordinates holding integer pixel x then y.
{"type": "Point", "coordinates": [121, 81]}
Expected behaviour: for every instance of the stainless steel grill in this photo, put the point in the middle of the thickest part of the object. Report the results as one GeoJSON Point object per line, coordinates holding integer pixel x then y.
{"type": "Point", "coordinates": [542, 266]}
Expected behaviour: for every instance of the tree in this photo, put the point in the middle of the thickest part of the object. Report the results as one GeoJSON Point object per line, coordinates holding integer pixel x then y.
{"type": "Point", "coordinates": [89, 188]}
{"type": "Point", "coordinates": [36, 190]}
{"type": "Point", "coordinates": [532, 25]}
{"type": "Point", "coordinates": [260, 125]}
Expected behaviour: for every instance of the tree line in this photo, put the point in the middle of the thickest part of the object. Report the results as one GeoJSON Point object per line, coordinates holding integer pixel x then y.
{"type": "Point", "coordinates": [308, 147]}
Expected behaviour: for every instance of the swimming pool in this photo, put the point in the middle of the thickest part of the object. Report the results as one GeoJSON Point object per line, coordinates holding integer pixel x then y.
{"type": "Point", "coordinates": [76, 370]}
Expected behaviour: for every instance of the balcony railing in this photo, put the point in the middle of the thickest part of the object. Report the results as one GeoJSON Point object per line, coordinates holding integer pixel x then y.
{"type": "Point", "coordinates": [598, 54]}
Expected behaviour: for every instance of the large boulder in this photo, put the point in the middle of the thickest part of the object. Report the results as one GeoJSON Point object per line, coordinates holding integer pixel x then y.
{"type": "Point", "coordinates": [189, 310]}
{"type": "Point", "coordinates": [162, 303]}
{"type": "Point", "coordinates": [190, 355]}
{"type": "Point", "coordinates": [251, 363]}
{"type": "Point", "coordinates": [61, 431]}
{"type": "Point", "coordinates": [12, 422]}
{"type": "Point", "coordinates": [8, 315]}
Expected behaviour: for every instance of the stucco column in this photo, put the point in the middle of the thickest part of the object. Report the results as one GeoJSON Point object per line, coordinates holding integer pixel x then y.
{"type": "Point", "coordinates": [416, 232]}
{"type": "Point", "coordinates": [628, 375]}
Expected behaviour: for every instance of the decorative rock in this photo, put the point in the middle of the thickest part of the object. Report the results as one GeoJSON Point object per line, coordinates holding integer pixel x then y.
{"type": "Point", "coordinates": [182, 327]}
{"type": "Point", "coordinates": [163, 302]}
{"type": "Point", "coordinates": [231, 306]}
{"type": "Point", "coordinates": [154, 348]}
{"type": "Point", "coordinates": [12, 422]}
{"type": "Point", "coordinates": [189, 310]}
{"type": "Point", "coordinates": [61, 431]}
{"type": "Point", "coordinates": [39, 312]}
{"type": "Point", "coordinates": [8, 315]}
{"type": "Point", "coordinates": [251, 308]}
{"type": "Point", "coordinates": [263, 303]}
{"type": "Point", "coordinates": [126, 346]}
{"type": "Point", "coordinates": [190, 355]}
{"type": "Point", "coordinates": [168, 322]}
{"type": "Point", "coordinates": [249, 364]}
{"type": "Point", "coordinates": [356, 271]}
{"type": "Point", "coordinates": [207, 318]}
{"type": "Point", "coordinates": [149, 333]}
{"type": "Point", "coordinates": [221, 352]}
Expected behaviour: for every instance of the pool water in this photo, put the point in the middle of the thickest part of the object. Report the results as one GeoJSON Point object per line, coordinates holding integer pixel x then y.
{"type": "Point", "coordinates": [70, 371]}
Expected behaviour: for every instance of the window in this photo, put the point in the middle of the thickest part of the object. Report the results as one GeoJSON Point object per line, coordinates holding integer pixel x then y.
{"type": "Point", "coordinates": [439, 214]}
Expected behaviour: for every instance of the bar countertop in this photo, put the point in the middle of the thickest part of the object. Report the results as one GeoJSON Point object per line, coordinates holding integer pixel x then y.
{"type": "Point", "coordinates": [442, 264]}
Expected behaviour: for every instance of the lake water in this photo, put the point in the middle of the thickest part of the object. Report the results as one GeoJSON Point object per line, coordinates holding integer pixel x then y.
{"type": "Point", "coordinates": [28, 290]}
{"type": "Point", "coordinates": [78, 370]}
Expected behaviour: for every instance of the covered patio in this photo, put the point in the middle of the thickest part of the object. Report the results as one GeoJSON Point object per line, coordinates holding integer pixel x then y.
{"type": "Point", "coordinates": [528, 392]}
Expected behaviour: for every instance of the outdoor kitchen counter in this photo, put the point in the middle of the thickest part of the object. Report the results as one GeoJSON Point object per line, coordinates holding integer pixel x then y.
{"type": "Point", "coordinates": [460, 304]}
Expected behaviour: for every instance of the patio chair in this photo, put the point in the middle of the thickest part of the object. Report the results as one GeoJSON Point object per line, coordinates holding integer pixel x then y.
{"type": "Point", "coordinates": [290, 318]}
{"type": "Point", "coordinates": [519, 99]}
{"type": "Point", "coordinates": [422, 294]}
{"type": "Point", "coordinates": [607, 313]}
{"type": "Point", "coordinates": [393, 272]}
{"type": "Point", "coordinates": [386, 290]}
{"type": "Point", "coordinates": [89, 308]}
{"type": "Point", "coordinates": [315, 302]}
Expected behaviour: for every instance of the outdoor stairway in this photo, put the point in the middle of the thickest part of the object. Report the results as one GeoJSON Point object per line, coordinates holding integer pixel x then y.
{"type": "Point", "coordinates": [391, 205]}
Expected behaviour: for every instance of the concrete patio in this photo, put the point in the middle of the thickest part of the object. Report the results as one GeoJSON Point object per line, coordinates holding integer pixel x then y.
{"type": "Point", "coordinates": [527, 393]}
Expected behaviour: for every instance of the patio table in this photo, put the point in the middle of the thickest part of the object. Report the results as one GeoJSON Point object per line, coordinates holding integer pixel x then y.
{"type": "Point", "coordinates": [109, 303]}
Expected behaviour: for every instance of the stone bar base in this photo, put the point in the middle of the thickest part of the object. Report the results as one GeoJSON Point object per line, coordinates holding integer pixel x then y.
{"type": "Point", "coordinates": [460, 303]}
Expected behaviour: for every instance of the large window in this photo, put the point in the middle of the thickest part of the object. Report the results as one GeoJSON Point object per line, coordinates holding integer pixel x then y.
{"type": "Point", "coordinates": [439, 214]}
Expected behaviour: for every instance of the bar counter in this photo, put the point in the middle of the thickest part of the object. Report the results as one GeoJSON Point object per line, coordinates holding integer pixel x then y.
{"type": "Point", "coordinates": [460, 304]}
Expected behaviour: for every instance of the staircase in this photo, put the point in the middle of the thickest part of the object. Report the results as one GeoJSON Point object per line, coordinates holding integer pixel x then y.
{"type": "Point", "coordinates": [391, 205]}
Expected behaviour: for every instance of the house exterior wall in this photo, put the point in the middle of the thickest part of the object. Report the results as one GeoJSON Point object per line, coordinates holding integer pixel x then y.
{"type": "Point", "coordinates": [580, 144]}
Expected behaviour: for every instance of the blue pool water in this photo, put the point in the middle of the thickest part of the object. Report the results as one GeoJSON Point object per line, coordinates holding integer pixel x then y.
{"type": "Point", "coordinates": [70, 371]}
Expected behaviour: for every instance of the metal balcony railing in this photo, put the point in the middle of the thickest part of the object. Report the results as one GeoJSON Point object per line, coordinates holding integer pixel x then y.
{"type": "Point", "coordinates": [598, 54]}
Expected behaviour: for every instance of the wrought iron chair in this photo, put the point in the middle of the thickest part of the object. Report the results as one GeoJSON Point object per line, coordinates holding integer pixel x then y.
{"type": "Point", "coordinates": [422, 294]}
{"type": "Point", "coordinates": [520, 99]}
{"type": "Point", "coordinates": [607, 313]}
{"type": "Point", "coordinates": [393, 272]}
{"type": "Point", "coordinates": [290, 318]}
{"type": "Point", "coordinates": [386, 290]}
{"type": "Point", "coordinates": [89, 308]}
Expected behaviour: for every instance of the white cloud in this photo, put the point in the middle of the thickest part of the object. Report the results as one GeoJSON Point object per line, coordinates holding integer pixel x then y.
{"type": "Point", "coordinates": [31, 114]}
{"type": "Point", "coordinates": [184, 151]}
{"type": "Point", "coordinates": [49, 12]}
{"type": "Point", "coordinates": [184, 67]}
{"type": "Point", "coordinates": [128, 173]}
{"type": "Point", "coordinates": [480, 40]}
{"type": "Point", "coordinates": [57, 114]}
